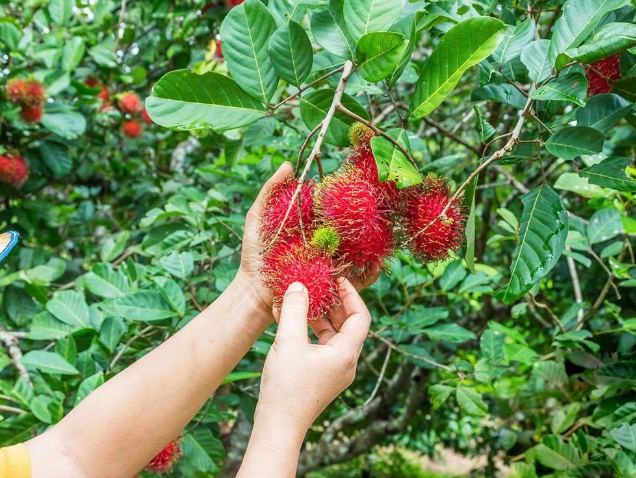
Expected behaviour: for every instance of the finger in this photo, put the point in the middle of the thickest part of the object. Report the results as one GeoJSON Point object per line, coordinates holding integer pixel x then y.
{"type": "Point", "coordinates": [337, 317]}
{"type": "Point", "coordinates": [366, 280]}
{"type": "Point", "coordinates": [280, 175]}
{"type": "Point", "coordinates": [292, 326]}
{"type": "Point", "coordinates": [356, 326]}
{"type": "Point", "coordinates": [323, 329]}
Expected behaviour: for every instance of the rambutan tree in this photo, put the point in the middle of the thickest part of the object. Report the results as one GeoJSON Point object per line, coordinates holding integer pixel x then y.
{"type": "Point", "coordinates": [476, 157]}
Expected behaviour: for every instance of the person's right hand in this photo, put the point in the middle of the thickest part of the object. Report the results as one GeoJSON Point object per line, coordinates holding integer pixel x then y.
{"type": "Point", "coordinates": [300, 378]}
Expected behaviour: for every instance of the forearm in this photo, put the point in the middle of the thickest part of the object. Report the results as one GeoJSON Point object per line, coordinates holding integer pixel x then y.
{"type": "Point", "coordinates": [273, 450]}
{"type": "Point", "coordinates": [121, 426]}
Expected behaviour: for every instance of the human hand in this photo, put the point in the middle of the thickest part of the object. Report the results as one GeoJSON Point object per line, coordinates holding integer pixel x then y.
{"type": "Point", "coordinates": [300, 378]}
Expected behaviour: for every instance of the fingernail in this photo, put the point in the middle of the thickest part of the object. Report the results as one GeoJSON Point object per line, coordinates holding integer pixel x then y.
{"type": "Point", "coordinates": [295, 287]}
{"type": "Point", "coordinates": [340, 280]}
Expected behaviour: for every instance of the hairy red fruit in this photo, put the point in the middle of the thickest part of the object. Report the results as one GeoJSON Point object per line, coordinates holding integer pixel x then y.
{"type": "Point", "coordinates": [601, 74]}
{"type": "Point", "coordinates": [132, 129]}
{"type": "Point", "coordinates": [369, 252]}
{"type": "Point", "coordinates": [362, 158]}
{"type": "Point", "coordinates": [31, 114]}
{"type": "Point", "coordinates": [433, 241]}
{"type": "Point", "coordinates": [165, 460]}
{"type": "Point", "coordinates": [94, 83]}
{"type": "Point", "coordinates": [277, 202]}
{"type": "Point", "coordinates": [350, 204]}
{"type": "Point", "coordinates": [292, 261]}
{"type": "Point", "coordinates": [13, 170]}
{"type": "Point", "coordinates": [15, 90]}
{"type": "Point", "coordinates": [91, 82]}
{"type": "Point", "coordinates": [146, 117]}
{"type": "Point", "coordinates": [129, 103]}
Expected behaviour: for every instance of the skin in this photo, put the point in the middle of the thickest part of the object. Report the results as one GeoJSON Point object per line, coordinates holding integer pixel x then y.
{"type": "Point", "coordinates": [122, 425]}
{"type": "Point", "coordinates": [300, 379]}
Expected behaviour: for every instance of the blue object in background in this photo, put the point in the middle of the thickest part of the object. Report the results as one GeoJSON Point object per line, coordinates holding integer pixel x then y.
{"type": "Point", "coordinates": [7, 241]}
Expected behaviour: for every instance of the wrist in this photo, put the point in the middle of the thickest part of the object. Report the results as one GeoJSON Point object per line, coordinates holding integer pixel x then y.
{"type": "Point", "coordinates": [244, 288]}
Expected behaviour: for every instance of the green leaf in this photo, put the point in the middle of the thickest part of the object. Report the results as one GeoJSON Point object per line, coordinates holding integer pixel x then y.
{"type": "Point", "coordinates": [246, 31]}
{"type": "Point", "coordinates": [603, 111]}
{"type": "Point", "coordinates": [610, 173]}
{"type": "Point", "coordinates": [197, 447]}
{"type": "Point", "coordinates": [48, 362]}
{"type": "Point", "coordinates": [367, 16]}
{"type": "Point", "coordinates": [626, 88]}
{"type": "Point", "coordinates": [552, 372]}
{"type": "Point", "coordinates": [439, 394]}
{"type": "Point", "coordinates": [492, 346]}
{"type": "Point", "coordinates": [104, 282]}
{"type": "Point", "coordinates": [514, 42]}
{"type": "Point", "coordinates": [607, 41]}
{"type": "Point", "coordinates": [330, 32]}
{"type": "Point", "coordinates": [469, 200]}
{"type": "Point", "coordinates": [604, 225]}
{"type": "Point", "coordinates": [237, 376]}
{"type": "Point", "coordinates": [182, 100]}
{"type": "Point", "coordinates": [535, 57]}
{"type": "Point", "coordinates": [471, 401]}
{"type": "Point", "coordinates": [88, 385]}
{"type": "Point", "coordinates": [625, 435]}
{"type": "Point", "coordinates": [314, 107]}
{"type": "Point", "coordinates": [111, 332]}
{"type": "Point", "coordinates": [178, 264]}
{"type": "Point", "coordinates": [378, 53]}
{"type": "Point", "coordinates": [393, 165]}
{"type": "Point", "coordinates": [103, 56]}
{"type": "Point", "coordinates": [555, 454]}
{"type": "Point", "coordinates": [501, 93]}
{"type": "Point", "coordinates": [544, 228]}
{"type": "Point", "coordinates": [291, 53]}
{"type": "Point", "coordinates": [72, 53]}
{"type": "Point", "coordinates": [172, 293]}
{"type": "Point", "coordinates": [69, 307]}
{"type": "Point", "coordinates": [146, 306]}
{"type": "Point", "coordinates": [405, 26]}
{"type": "Point", "coordinates": [68, 125]}
{"type": "Point", "coordinates": [463, 46]}
{"type": "Point", "coordinates": [113, 246]}
{"type": "Point", "coordinates": [571, 87]}
{"type": "Point", "coordinates": [569, 143]}
{"type": "Point", "coordinates": [55, 156]}
{"type": "Point", "coordinates": [453, 332]}
{"type": "Point", "coordinates": [574, 183]}
{"type": "Point", "coordinates": [575, 24]}
{"type": "Point", "coordinates": [46, 327]}
{"type": "Point", "coordinates": [564, 418]}
{"type": "Point", "coordinates": [519, 353]}
{"type": "Point", "coordinates": [453, 275]}
{"type": "Point", "coordinates": [61, 11]}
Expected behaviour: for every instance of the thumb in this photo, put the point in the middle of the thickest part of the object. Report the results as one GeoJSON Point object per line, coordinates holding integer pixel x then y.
{"type": "Point", "coordinates": [293, 314]}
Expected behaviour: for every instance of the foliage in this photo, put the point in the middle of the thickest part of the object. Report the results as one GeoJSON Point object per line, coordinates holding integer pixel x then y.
{"type": "Point", "coordinates": [521, 346]}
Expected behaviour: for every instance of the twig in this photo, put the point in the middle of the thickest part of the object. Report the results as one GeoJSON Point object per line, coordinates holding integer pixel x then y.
{"type": "Point", "coordinates": [122, 13]}
{"type": "Point", "coordinates": [409, 354]}
{"type": "Point", "coordinates": [452, 136]}
{"type": "Point", "coordinates": [387, 357]}
{"type": "Point", "coordinates": [337, 97]}
{"type": "Point", "coordinates": [304, 146]}
{"type": "Point", "coordinates": [126, 345]}
{"type": "Point", "coordinates": [607, 271]}
{"type": "Point", "coordinates": [545, 307]}
{"type": "Point", "coordinates": [376, 130]}
{"type": "Point", "coordinates": [576, 284]}
{"type": "Point", "coordinates": [8, 409]}
{"type": "Point", "coordinates": [228, 227]}
{"type": "Point", "coordinates": [11, 342]}
{"type": "Point", "coordinates": [306, 87]}
{"type": "Point", "coordinates": [514, 139]}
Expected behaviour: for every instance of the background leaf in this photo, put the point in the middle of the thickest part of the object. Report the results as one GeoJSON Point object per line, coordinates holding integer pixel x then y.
{"type": "Point", "coordinates": [291, 53]}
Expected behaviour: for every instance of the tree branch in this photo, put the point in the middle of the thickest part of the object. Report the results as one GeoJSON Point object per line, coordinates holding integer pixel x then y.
{"type": "Point", "coordinates": [11, 342]}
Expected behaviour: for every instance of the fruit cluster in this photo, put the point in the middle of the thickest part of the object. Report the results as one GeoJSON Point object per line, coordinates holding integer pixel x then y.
{"type": "Point", "coordinates": [601, 75]}
{"type": "Point", "coordinates": [30, 95]}
{"type": "Point", "coordinates": [351, 222]}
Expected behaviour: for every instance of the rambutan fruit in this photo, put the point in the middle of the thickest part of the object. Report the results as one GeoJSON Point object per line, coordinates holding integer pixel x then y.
{"type": "Point", "coordinates": [602, 74]}
{"type": "Point", "coordinates": [129, 103]}
{"type": "Point", "coordinates": [360, 134]}
{"type": "Point", "coordinates": [292, 261]}
{"type": "Point", "coordinates": [132, 128]}
{"type": "Point", "coordinates": [232, 3]}
{"type": "Point", "coordinates": [326, 240]}
{"type": "Point", "coordinates": [431, 235]}
{"type": "Point", "coordinates": [369, 252]}
{"type": "Point", "coordinates": [34, 93]}
{"type": "Point", "coordinates": [15, 90]}
{"type": "Point", "coordinates": [13, 170]}
{"type": "Point", "coordinates": [165, 460]}
{"type": "Point", "coordinates": [146, 117]}
{"type": "Point", "coordinates": [349, 204]}
{"type": "Point", "coordinates": [276, 204]}
{"type": "Point", "coordinates": [31, 114]}
{"type": "Point", "coordinates": [92, 82]}
{"type": "Point", "coordinates": [363, 159]}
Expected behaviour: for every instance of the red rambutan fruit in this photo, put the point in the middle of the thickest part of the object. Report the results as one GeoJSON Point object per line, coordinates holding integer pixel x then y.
{"type": "Point", "coordinates": [232, 3]}
{"type": "Point", "coordinates": [369, 252]}
{"type": "Point", "coordinates": [601, 74]}
{"type": "Point", "coordinates": [350, 204]}
{"type": "Point", "coordinates": [146, 117]}
{"type": "Point", "coordinates": [291, 261]}
{"type": "Point", "coordinates": [34, 93]}
{"type": "Point", "coordinates": [276, 204]}
{"type": "Point", "coordinates": [430, 235]}
{"type": "Point", "coordinates": [129, 102]}
{"type": "Point", "coordinates": [360, 134]}
{"type": "Point", "coordinates": [362, 158]}
{"type": "Point", "coordinates": [91, 82]}
{"type": "Point", "coordinates": [31, 114]}
{"type": "Point", "coordinates": [165, 460]}
{"type": "Point", "coordinates": [132, 129]}
{"type": "Point", "coordinates": [13, 170]}
{"type": "Point", "coordinates": [15, 90]}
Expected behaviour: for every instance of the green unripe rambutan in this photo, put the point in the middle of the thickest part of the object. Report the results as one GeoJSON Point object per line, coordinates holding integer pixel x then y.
{"type": "Point", "coordinates": [326, 240]}
{"type": "Point", "coordinates": [360, 134]}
